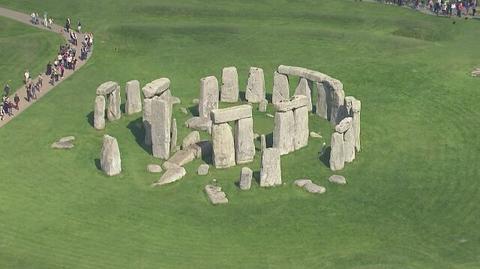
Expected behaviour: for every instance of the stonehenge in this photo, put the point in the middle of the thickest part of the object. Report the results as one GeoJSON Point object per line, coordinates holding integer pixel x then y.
{"type": "Point", "coordinates": [173, 136]}
{"type": "Point", "coordinates": [309, 186]}
{"type": "Point", "coordinates": [133, 97]}
{"type": "Point", "coordinates": [246, 176]}
{"type": "Point", "coordinates": [303, 88]}
{"type": "Point", "coordinates": [216, 195]}
{"type": "Point", "coordinates": [209, 96]}
{"type": "Point", "coordinates": [255, 91]}
{"type": "Point", "coordinates": [107, 91]}
{"type": "Point", "coordinates": [110, 160]}
{"type": "Point", "coordinates": [174, 173]}
{"type": "Point", "coordinates": [223, 146]}
{"type": "Point", "coordinates": [281, 88]}
{"type": "Point", "coordinates": [270, 171]}
{"type": "Point", "coordinates": [229, 90]}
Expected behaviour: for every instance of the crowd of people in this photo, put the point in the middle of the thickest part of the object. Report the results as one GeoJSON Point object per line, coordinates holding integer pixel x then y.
{"type": "Point", "coordinates": [449, 8]}
{"type": "Point", "coordinates": [66, 59]}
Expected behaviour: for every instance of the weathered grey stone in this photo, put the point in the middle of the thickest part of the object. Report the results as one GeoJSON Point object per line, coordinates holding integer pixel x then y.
{"type": "Point", "coordinates": [301, 182]}
{"type": "Point", "coordinates": [231, 113]}
{"type": "Point", "coordinates": [110, 160]}
{"type": "Point", "coordinates": [337, 157]}
{"type": "Point", "coordinates": [173, 136]}
{"type": "Point", "coordinates": [166, 95]}
{"type": "Point", "coordinates": [356, 107]}
{"type": "Point", "coordinates": [263, 142]}
{"type": "Point", "coordinates": [134, 99]}
{"type": "Point", "coordinates": [190, 139]}
{"type": "Point", "coordinates": [301, 127]}
{"type": "Point", "coordinates": [314, 188]}
{"type": "Point", "coordinates": [337, 97]}
{"type": "Point", "coordinates": [62, 145]}
{"type": "Point", "coordinates": [302, 72]}
{"type": "Point", "coordinates": [315, 135]}
{"type": "Point", "coordinates": [337, 179]}
{"type": "Point", "coordinates": [161, 124]}
{"type": "Point", "coordinates": [182, 157]}
{"type": "Point", "coordinates": [304, 89]}
{"type": "Point", "coordinates": [281, 88]}
{"type": "Point", "coordinates": [173, 174]}
{"type": "Point", "coordinates": [344, 125]}
{"type": "Point", "coordinates": [270, 172]}
{"type": "Point", "coordinates": [99, 113]}
{"type": "Point", "coordinates": [184, 110]}
{"type": "Point", "coordinates": [223, 146]}
{"type": "Point", "coordinates": [202, 149]}
{"type": "Point", "coordinates": [156, 87]}
{"type": "Point", "coordinates": [229, 92]}
{"type": "Point", "coordinates": [113, 109]}
{"type": "Point", "coordinates": [296, 101]}
{"type": "Point", "coordinates": [147, 120]}
{"type": "Point", "coordinates": [269, 115]}
{"type": "Point", "coordinates": [246, 178]}
{"type": "Point", "coordinates": [262, 106]}
{"type": "Point", "coordinates": [315, 76]}
{"type": "Point", "coordinates": [203, 169]}
{"type": "Point", "coordinates": [69, 138]}
{"type": "Point", "coordinates": [324, 101]}
{"type": "Point", "coordinates": [168, 165]}
{"type": "Point", "coordinates": [107, 88]}
{"type": "Point", "coordinates": [209, 96]}
{"type": "Point", "coordinates": [216, 195]}
{"type": "Point", "coordinates": [255, 91]}
{"type": "Point", "coordinates": [349, 145]}
{"type": "Point", "coordinates": [244, 144]}
{"type": "Point", "coordinates": [154, 168]}
{"type": "Point", "coordinates": [283, 132]}
{"type": "Point", "coordinates": [199, 123]}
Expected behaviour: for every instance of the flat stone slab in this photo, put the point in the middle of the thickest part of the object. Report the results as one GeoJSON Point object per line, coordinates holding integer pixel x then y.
{"type": "Point", "coordinates": [337, 179]}
{"type": "Point", "coordinates": [302, 72]}
{"type": "Point", "coordinates": [182, 157]}
{"type": "Point", "coordinates": [231, 113]}
{"type": "Point", "coordinates": [173, 174]}
{"type": "Point", "coordinates": [295, 102]}
{"type": "Point", "coordinates": [70, 138]}
{"type": "Point", "coordinates": [301, 182]}
{"type": "Point", "coordinates": [154, 168]}
{"type": "Point", "coordinates": [216, 195]}
{"type": "Point", "coordinates": [62, 145]}
{"type": "Point", "coordinates": [107, 88]}
{"type": "Point", "coordinates": [156, 87]}
{"type": "Point", "coordinates": [199, 123]}
{"type": "Point", "coordinates": [203, 169]}
{"type": "Point", "coordinates": [314, 188]}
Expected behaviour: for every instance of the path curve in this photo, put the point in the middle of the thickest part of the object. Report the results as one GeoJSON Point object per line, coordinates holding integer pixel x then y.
{"type": "Point", "coordinates": [26, 19]}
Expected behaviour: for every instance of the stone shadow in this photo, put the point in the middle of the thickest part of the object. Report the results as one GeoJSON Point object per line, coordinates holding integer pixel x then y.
{"type": "Point", "coordinates": [90, 118]}
{"type": "Point", "coordinates": [136, 128]}
{"type": "Point", "coordinates": [269, 140]}
{"type": "Point", "coordinates": [256, 177]}
{"type": "Point", "coordinates": [325, 156]}
{"type": "Point", "coordinates": [268, 96]}
{"type": "Point", "coordinates": [97, 164]}
{"type": "Point", "coordinates": [194, 110]}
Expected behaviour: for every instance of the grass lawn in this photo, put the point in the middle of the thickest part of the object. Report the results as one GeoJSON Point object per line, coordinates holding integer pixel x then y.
{"type": "Point", "coordinates": [412, 199]}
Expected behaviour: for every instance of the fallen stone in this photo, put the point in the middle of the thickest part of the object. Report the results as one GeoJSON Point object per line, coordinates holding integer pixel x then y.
{"type": "Point", "coordinates": [191, 139]}
{"type": "Point", "coordinates": [255, 91]}
{"type": "Point", "coordinates": [337, 157]}
{"type": "Point", "coordinates": [223, 146]}
{"type": "Point", "coordinates": [107, 88]}
{"type": "Point", "coordinates": [110, 160]}
{"type": "Point", "coordinates": [171, 175]}
{"type": "Point", "coordinates": [134, 100]}
{"type": "Point", "coordinates": [156, 87]}
{"type": "Point", "coordinates": [216, 195]}
{"type": "Point", "coordinates": [314, 188]}
{"type": "Point", "coordinates": [198, 123]}
{"type": "Point", "coordinates": [244, 142]}
{"type": "Point", "coordinates": [344, 125]}
{"type": "Point", "coordinates": [229, 89]}
{"type": "Point", "coordinates": [270, 172]}
{"type": "Point", "coordinates": [283, 132]}
{"type": "Point", "coordinates": [304, 89]}
{"type": "Point", "coordinates": [337, 179]}
{"type": "Point", "coordinates": [301, 182]}
{"type": "Point", "coordinates": [154, 168]}
{"type": "Point", "coordinates": [315, 135]}
{"type": "Point", "coordinates": [281, 88]}
{"type": "Point", "coordinates": [182, 157]}
{"type": "Point", "coordinates": [295, 102]}
{"type": "Point", "coordinates": [168, 165]}
{"type": "Point", "coordinates": [69, 138]}
{"type": "Point", "coordinates": [476, 72]}
{"type": "Point", "coordinates": [246, 178]}
{"type": "Point", "coordinates": [209, 96]}
{"type": "Point", "coordinates": [99, 113]}
{"type": "Point", "coordinates": [203, 169]}
{"type": "Point", "coordinates": [62, 145]}
{"type": "Point", "coordinates": [231, 113]}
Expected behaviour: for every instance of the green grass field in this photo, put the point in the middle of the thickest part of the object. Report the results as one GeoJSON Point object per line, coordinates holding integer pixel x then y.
{"type": "Point", "coordinates": [412, 200]}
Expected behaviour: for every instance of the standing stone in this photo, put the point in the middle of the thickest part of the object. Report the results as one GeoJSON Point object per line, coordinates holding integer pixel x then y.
{"type": "Point", "coordinates": [262, 107]}
{"type": "Point", "coordinates": [208, 96]}
{"type": "Point", "coordinates": [349, 145]}
{"type": "Point", "coordinates": [263, 142]}
{"type": "Point", "coordinates": [173, 136]}
{"type": "Point", "coordinates": [110, 156]}
{"type": "Point", "coordinates": [229, 92]}
{"type": "Point", "coordinates": [161, 123]}
{"type": "Point", "coordinates": [303, 88]}
{"type": "Point", "coordinates": [281, 88]}
{"type": "Point", "coordinates": [323, 101]}
{"type": "Point", "coordinates": [134, 100]}
{"type": "Point", "coordinates": [255, 91]}
{"type": "Point", "coordinates": [223, 146]}
{"type": "Point", "coordinates": [283, 132]}
{"type": "Point", "coordinates": [244, 144]}
{"type": "Point", "coordinates": [113, 110]}
{"type": "Point", "coordinates": [337, 98]}
{"type": "Point", "coordinates": [356, 107]}
{"type": "Point", "coordinates": [270, 172]}
{"type": "Point", "coordinates": [337, 157]}
{"type": "Point", "coordinates": [301, 127]}
{"type": "Point", "coordinates": [99, 113]}
{"type": "Point", "coordinates": [156, 87]}
{"type": "Point", "coordinates": [147, 121]}
{"type": "Point", "coordinates": [246, 178]}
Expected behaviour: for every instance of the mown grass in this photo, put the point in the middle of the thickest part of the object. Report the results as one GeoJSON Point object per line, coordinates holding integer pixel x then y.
{"type": "Point", "coordinates": [412, 197]}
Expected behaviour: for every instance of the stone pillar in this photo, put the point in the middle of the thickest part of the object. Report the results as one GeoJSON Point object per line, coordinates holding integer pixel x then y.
{"type": "Point", "coordinates": [337, 97]}
{"type": "Point", "coordinates": [161, 123]}
{"type": "Point", "coordinates": [337, 157]}
{"type": "Point", "coordinates": [270, 172]}
{"type": "Point", "coordinates": [301, 129]}
{"type": "Point", "coordinates": [281, 88]}
{"type": "Point", "coordinates": [134, 100]}
{"type": "Point", "coordinates": [356, 107]}
{"type": "Point", "coordinates": [255, 91]}
{"type": "Point", "coordinates": [246, 178]}
{"type": "Point", "coordinates": [223, 146]}
{"type": "Point", "coordinates": [283, 132]}
{"type": "Point", "coordinates": [147, 120]}
{"type": "Point", "coordinates": [99, 113]}
{"type": "Point", "coordinates": [323, 101]}
{"type": "Point", "coordinates": [173, 136]}
{"type": "Point", "coordinates": [244, 144]}
{"type": "Point", "coordinates": [304, 89]}
{"type": "Point", "coordinates": [110, 160]}
{"type": "Point", "coordinates": [209, 96]}
{"type": "Point", "coordinates": [349, 145]}
{"type": "Point", "coordinates": [229, 92]}
{"type": "Point", "coordinates": [114, 101]}
{"type": "Point", "coordinates": [263, 142]}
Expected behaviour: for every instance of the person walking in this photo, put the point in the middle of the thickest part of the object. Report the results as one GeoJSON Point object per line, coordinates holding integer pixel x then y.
{"type": "Point", "coordinates": [6, 89]}
{"type": "Point", "coordinates": [2, 113]}
{"type": "Point", "coordinates": [26, 76]}
{"type": "Point", "coordinates": [79, 27]}
{"type": "Point", "coordinates": [39, 81]}
{"type": "Point", "coordinates": [16, 100]}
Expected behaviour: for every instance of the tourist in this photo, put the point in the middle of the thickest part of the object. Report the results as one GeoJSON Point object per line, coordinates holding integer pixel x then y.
{"type": "Point", "coordinates": [67, 25]}
{"type": "Point", "coordinates": [79, 27]}
{"type": "Point", "coordinates": [49, 69]}
{"type": "Point", "coordinates": [50, 22]}
{"type": "Point", "coordinates": [62, 70]}
{"type": "Point", "coordinates": [6, 89]}
{"type": "Point", "coordinates": [74, 63]}
{"type": "Point", "coordinates": [29, 93]}
{"type": "Point", "coordinates": [2, 113]}
{"type": "Point", "coordinates": [39, 81]}
{"type": "Point", "coordinates": [26, 76]}
{"type": "Point", "coordinates": [16, 100]}
{"type": "Point", "coordinates": [45, 19]}
{"type": "Point", "coordinates": [33, 17]}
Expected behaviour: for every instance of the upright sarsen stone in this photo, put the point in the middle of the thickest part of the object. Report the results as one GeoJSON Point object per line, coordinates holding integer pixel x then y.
{"type": "Point", "coordinates": [99, 113]}
{"type": "Point", "coordinates": [255, 91]}
{"type": "Point", "coordinates": [110, 160]}
{"type": "Point", "coordinates": [134, 100]}
{"type": "Point", "coordinates": [283, 132]}
{"type": "Point", "coordinates": [114, 101]}
{"type": "Point", "coordinates": [335, 88]}
{"type": "Point", "coordinates": [349, 145]}
{"type": "Point", "coordinates": [173, 136]}
{"type": "Point", "coordinates": [147, 120]}
{"type": "Point", "coordinates": [229, 89]}
{"type": "Point", "coordinates": [324, 101]}
{"type": "Point", "coordinates": [301, 127]}
{"type": "Point", "coordinates": [223, 146]}
{"type": "Point", "coordinates": [270, 172]}
{"type": "Point", "coordinates": [303, 88]}
{"type": "Point", "coordinates": [161, 123]}
{"type": "Point", "coordinates": [337, 157]}
{"type": "Point", "coordinates": [281, 88]}
{"type": "Point", "coordinates": [244, 144]}
{"type": "Point", "coordinates": [356, 107]}
{"type": "Point", "coordinates": [209, 96]}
